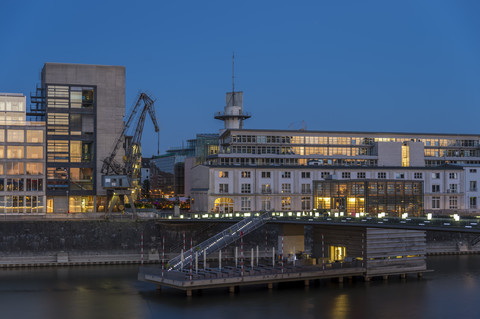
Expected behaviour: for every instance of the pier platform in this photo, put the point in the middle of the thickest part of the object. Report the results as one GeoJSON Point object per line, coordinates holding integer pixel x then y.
{"type": "Point", "coordinates": [232, 277]}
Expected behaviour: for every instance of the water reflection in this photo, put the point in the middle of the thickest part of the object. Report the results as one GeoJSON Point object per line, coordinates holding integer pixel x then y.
{"type": "Point", "coordinates": [450, 291]}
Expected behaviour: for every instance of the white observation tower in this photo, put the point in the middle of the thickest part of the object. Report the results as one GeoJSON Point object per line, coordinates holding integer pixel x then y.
{"type": "Point", "coordinates": [233, 115]}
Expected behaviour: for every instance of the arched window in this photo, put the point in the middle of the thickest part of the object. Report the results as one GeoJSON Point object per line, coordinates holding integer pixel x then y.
{"type": "Point", "coordinates": [224, 205]}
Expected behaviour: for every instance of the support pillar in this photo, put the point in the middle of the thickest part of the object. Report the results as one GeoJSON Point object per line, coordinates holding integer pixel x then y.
{"type": "Point", "coordinates": [366, 278]}
{"type": "Point", "coordinates": [340, 279]}
{"type": "Point", "coordinates": [385, 277]}
{"type": "Point", "coordinates": [307, 283]}
{"type": "Point", "coordinates": [270, 286]}
{"type": "Point", "coordinates": [231, 289]}
{"type": "Point", "coordinates": [420, 275]}
{"type": "Point", "coordinates": [189, 292]}
{"type": "Point", "coordinates": [403, 276]}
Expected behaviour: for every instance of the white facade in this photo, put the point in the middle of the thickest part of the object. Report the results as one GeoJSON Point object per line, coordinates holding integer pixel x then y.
{"type": "Point", "coordinates": [229, 188]}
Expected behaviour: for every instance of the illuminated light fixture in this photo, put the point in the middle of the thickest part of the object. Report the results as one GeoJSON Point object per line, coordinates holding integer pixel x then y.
{"type": "Point", "coordinates": [195, 216]}
{"type": "Point", "coordinates": [429, 216]}
{"type": "Point", "coordinates": [456, 217]}
{"type": "Point", "coordinates": [317, 214]}
{"type": "Point", "coordinates": [336, 214]}
{"type": "Point", "coordinates": [169, 217]}
{"type": "Point", "coordinates": [205, 216]}
{"type": "Point", "coordinates": [181, 216]}
{"type": "Point", "coordinates": [341, 213]}
{"type": "Point", "coordinates": [280, 214]}
{"type": "Point", "coordinates": [404, 215]}
{"type": "Point", "coordinates": [237, 214]}
{"type": "Point", "coordinates": [289, 213]}
{"type": "Point", "coordinates": [299, 214]}
{"type": "Point", "coordinates": [247, 215]}
{"type": "Point", "coordinates": [216, 215]}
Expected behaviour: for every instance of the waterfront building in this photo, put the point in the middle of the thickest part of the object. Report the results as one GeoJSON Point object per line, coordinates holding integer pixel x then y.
{"type": "Point", "coordinates": [22, 149]}
{"type": "Point", "coordinates": [397, 198]}
{"type": "Point", "coordinates": [83, 106]}
{"type": "Point", "coordinates": [257, 169]}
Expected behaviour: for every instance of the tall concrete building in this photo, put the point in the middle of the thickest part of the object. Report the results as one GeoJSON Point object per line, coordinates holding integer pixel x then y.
{"type": "Point", "coordinates": [83, 106]}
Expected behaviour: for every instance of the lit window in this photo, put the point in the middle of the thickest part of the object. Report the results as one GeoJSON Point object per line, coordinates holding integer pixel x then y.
{"type": "Point", "coordinates": [245, 174]}
{"type": "Point", "coordinates": [35, 152]}
{"type": "Point", "coordinates": [286, 188]}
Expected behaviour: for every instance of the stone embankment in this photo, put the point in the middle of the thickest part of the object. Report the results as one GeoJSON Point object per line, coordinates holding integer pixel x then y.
{"type": "Point", "coordinates": [86, 242]}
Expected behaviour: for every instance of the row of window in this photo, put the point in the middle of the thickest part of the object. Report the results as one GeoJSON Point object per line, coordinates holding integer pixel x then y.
{"type": "Point", "coordinates": [295, 161]}
{"type": "Point", "coordinates": [33, 152]}
{"type": "Point", "coordinates": [266, 204]}
{"type": "Point", "coordinates": [334, 140]}
{"type": "Point", "coordinates": [326, 151]}
{"type": "Point", "coordinates": [21, 168]}
{"type": "Point", "coordinates": [21, 204]}
{"type": "Point", "coordinates": [246, 188]}
{"type": "Point", "coordinates": [21, 184]}
{"type": "Point", "coordinates": [21, 136]}
{"type": "Point", "coordinates": [345, 175]}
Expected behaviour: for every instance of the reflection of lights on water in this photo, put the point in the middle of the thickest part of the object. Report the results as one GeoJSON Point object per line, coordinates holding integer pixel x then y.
{"type": "Point", "coordinates": [340, 307]}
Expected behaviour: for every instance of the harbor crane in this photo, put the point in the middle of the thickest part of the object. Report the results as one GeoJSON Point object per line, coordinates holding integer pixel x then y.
{"type": "Point", "coordinates": [122, 179]}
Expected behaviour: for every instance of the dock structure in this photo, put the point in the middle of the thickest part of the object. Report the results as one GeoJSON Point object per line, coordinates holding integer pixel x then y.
{"type": "Point", "coordinates": [232, 277]}
{"type": "Point", "coordinates": [337, 252]}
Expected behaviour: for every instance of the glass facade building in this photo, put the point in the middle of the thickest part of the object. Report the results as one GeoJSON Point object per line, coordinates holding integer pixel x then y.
{"type": "Point", "coordinates": [22, 174]}
{"type": "Point", "coordinates": [365, 197]}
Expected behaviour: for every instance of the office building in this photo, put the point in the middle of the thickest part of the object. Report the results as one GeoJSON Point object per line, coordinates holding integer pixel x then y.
{"type": "Point", "coordinates": [258, 169]}
{"type": "Point", "coordinates": [83, 106]}
{"type": "Point", "coordinates": [22, 149]}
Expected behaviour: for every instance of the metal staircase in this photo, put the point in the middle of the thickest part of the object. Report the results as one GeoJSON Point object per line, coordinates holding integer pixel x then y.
{"type": "Point", "coordinates": [219, 241]}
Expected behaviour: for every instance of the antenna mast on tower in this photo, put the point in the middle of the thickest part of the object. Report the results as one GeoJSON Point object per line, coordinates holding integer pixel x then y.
{"type": "Point", "coordinates": [233, 72]}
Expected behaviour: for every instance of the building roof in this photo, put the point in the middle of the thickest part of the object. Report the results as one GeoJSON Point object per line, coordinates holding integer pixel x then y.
{"type": "Point", "coordinates": [356, 133]}
{"type": "Point", "coordinates": [325, 167]}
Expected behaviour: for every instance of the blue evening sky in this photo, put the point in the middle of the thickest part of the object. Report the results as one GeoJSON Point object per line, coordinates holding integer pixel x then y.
{"type": "Point", "coordinates": [394, 66]}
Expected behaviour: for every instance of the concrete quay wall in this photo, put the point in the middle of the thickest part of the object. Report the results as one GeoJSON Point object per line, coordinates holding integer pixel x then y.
{"type": "Point", "coordinates": [81, 242]}
{"type": "Point", "coordinates": [103, 242]}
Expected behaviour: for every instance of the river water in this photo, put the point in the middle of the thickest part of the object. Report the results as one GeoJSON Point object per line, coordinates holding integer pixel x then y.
{"type": "Point", "coordinates": [451, 291]}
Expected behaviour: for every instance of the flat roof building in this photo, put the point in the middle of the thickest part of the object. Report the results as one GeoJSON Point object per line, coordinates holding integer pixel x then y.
{"type": "Point", "coordinates": [275, 170]}
{"type": "Point", "coordinates": [83, 106]}
{"type": "Point", "coordinates": [22, 161]}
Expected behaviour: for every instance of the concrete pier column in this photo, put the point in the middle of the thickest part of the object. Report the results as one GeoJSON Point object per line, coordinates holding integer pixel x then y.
{"type": "Point", "coordinates": [159, 288]}
{"type": "Point", "coordinates": [231, 289]}
{"type": "Point", "coordinates": [340, 279]}
{"type": "Point", "coordinates": [385, 277]}
{"type": "Point", "coordinates": [307, 283]}
{"type": "Point", "coordinates": [270, 285]}
{"type": "Point", "coordinates": [366, 278]}
{"type": "Point", "coordinates": [420, 275]}
{"type": "Point", "coordinates": [403, 276]}
{"type": "Point", "coordinates": [189, 292]}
